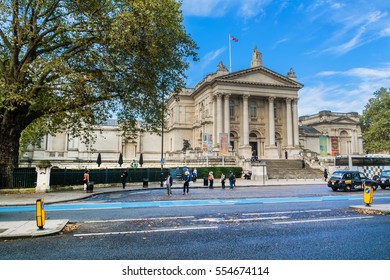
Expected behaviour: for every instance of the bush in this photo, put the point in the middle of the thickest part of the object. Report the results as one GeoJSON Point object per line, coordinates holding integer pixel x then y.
{"type": "Point", "coordinates": [203, 172]}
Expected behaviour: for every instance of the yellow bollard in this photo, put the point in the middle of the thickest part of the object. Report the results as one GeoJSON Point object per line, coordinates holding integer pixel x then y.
{"type": "Point", "coordinates": [368, 194]}
{"type": "Point", "coordinates": [40, 213]}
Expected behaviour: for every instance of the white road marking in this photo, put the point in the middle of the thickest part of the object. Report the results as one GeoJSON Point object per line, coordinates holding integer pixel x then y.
{"type": "Point", "coordinates": [222, 220]}
{"type": "Point", "coordinates": [286, 212]}
{"type": "Point", "coordinates": [138, 219]}
{"type": "Point", "coordinates": [143, 231]}
{"type": "Point", "coordinates": [322, 220]}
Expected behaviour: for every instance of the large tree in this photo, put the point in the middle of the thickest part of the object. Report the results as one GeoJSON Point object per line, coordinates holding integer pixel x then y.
{"type": "Point", "coordinates": [376, 123]}
{"type": "Point", "coordinates": [71, 64]}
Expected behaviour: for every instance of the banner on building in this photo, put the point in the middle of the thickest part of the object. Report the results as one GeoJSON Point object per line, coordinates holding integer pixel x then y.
{"type": "Point", "coordinates": [335, 145]}
{"type": "Point", "coordinates": [223, 144]}
{"type": "Point", "coordinates": [323, 146]}
{"type": "Point", "coordinates": [207, 142]}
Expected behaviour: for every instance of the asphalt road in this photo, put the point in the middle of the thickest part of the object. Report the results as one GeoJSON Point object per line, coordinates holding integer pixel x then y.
{"type": "Point", "coordinates": [290, 223]}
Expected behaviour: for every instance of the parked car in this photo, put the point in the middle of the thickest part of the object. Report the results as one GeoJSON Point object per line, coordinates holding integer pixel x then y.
{"type": "Point", "coordinates": [384, 179]}
{"type": "Point", "coordinates": [348, 180]}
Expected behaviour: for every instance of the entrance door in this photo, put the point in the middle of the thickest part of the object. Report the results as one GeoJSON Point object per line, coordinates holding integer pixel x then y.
{"type": "Point", "coordinates": [254, 150]}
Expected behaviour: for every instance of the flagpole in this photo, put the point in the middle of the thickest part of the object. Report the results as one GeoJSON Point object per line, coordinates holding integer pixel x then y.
{"type": "Point", "coordinates": [230, 54]}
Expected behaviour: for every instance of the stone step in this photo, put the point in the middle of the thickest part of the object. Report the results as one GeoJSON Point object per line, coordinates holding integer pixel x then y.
{"type": "Point", "coordinates": [282, 168]}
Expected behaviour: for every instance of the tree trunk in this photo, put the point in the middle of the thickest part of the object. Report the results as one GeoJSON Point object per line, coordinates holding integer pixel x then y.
{"type": "Point", "coordinates": [10, 132]}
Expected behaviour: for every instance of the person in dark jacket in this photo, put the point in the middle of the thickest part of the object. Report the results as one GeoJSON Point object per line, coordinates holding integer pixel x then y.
{"type": "Point", "coordinates": [169, 183]}
{"type": "Point", "coordinates": [326, 174]}
{"type": "Point", "coordinates": [211, 180]}
{"type": "Point", "coordinates": [232, 180]}
{"type": "Point", "coordinates": [124, 175]}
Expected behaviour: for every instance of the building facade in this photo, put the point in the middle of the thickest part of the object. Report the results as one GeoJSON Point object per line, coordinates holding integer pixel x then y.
{"type": "Point", "coordinates": [248, 113]}
{"type": "Point", "coordinates": [227, 116]}
{"type": "Point", "coordinates": [329, 134]}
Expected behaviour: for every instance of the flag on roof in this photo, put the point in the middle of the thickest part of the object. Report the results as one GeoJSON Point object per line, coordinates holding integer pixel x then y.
{"type": "Point", "coordinates": [233, 38]}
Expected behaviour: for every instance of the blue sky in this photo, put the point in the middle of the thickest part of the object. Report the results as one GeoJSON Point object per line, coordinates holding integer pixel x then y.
{"type": "Point", "coordinates": [339, 49]}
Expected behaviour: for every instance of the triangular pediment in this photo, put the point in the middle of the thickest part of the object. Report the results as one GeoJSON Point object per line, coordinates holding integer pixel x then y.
{"type": "Point", "coordinates": [260, 76]}
{"type": "Point", "coordinates": [344, 120]}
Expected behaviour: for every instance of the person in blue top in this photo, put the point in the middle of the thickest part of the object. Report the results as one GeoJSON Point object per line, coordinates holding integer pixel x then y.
{"type": "Point", "coordinates": [232, 180]}
{"type": "Point", "coordinates": [194, 175]}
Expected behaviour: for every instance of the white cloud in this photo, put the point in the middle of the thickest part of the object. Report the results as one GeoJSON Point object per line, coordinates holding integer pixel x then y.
{"type": "Point", "coordinates": [352, 95]}
{"type": "Point", "coordinates": [218, 8]}
{"type": "Point", "coordinates": [355, 30]}
{"type": "Point", "coordinates": [205, 8]}
{"type": "Point", "coordinates": [211, 56]}
{"type": "Point", "coordinates": [198, 69]}
{"type": "Point", "coordinates": [345, 47]}
{"type": "Point", "coordinates": [385, 32]}
{"type": "Point", "coordinates": [347, 25]}
{"type": "Point", "coordinates": [252, 8]}
{"type": "Point", "coordinates": [362, 73]}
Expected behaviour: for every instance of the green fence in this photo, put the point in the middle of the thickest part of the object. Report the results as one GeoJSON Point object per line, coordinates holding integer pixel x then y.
{"type": "Point", "coordinates": [27, 177]}
{"type": "Point", "coordinates": [70, 177]}
{"type": "Point", "coordinates": [22, 177]}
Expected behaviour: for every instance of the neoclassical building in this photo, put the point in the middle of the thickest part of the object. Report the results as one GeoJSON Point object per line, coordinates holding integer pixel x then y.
{"type": "Point", "coordinates": [226, 116]}
{"type": "Point", "coordinates": [330, 134]}
{"type": "Point", "coordinates": [244, 113]}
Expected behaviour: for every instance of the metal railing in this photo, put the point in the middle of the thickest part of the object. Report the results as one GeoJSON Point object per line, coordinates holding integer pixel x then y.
{"type": "Point", "coordinates": [22, 178]}
{"type": "Point", "coordinates": [71, 177]}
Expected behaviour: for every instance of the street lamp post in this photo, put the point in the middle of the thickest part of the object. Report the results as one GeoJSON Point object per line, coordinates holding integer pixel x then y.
{"type": "Point", "coordinates": [162, 140]}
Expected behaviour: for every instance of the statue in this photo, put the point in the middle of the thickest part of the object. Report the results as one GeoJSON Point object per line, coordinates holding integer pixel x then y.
{"type": "Point", "coordinates": [256, 58]}
{"type": "Point", "coordinates": [291, 74]}
{"type": "Point", "coordinates": [186, 145]}
{"type": "Point", "coordinates": [222, 67]}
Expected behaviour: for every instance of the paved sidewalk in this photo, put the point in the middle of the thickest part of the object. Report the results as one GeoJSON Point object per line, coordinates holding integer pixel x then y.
{"type": "Point", "coordinates": [17, 229]}
{"type": "Point", "coordinates": [17, 199]}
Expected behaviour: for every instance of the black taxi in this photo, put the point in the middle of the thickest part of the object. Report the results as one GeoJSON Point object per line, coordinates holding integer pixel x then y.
{"type": "Point", "coordinates": [348, 180]}
{"type": "Point", "coordinates": [384, 179]}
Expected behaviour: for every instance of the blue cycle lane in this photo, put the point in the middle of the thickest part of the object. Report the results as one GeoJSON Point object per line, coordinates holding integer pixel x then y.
{"type": "Point", "coordinates": [184, 203]}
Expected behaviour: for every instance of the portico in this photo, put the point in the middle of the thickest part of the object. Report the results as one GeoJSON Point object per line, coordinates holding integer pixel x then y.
{"type": "Point", "coordinates": [251, 122]}
{"type": "Point", "coordinates": [252, 112]}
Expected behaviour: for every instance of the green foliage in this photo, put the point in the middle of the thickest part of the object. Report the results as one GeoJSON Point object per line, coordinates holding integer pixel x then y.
{"type": "Point", "coordinates": [203, 172]}
{"type": "Point", "coordinates": [376, 123]}
{"type": "Point", "coordinates": [71, 65]}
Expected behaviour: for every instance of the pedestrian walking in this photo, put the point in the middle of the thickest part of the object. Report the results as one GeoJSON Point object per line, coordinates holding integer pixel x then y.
{"type": "Point", "coordinates": [223, 178]}
{"type": "Point", "coordinates": [211, 180]}
{"type": "Point", "coordinates": [194, 175]}
{"type": "Point", "coordinates": [124, 176]}
{"type": "Point", "coordinates": [186, 185]}
{"type": "Point", "coordinates": [86, 180]}
{"type": "Point", "coordinates": [232, 180]}
{"type": "Point", "coordinates": [169, 183]}
{"type": "Point", "coordinates": [326, 174]}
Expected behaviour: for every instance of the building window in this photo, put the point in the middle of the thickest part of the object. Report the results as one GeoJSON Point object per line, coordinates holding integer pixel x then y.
{"type": "Point", "coordinates": [252, 110]}
{"type": "Point", "coordinates": [231, 108]}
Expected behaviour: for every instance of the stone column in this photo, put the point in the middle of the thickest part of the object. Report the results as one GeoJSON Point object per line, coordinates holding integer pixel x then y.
{"type": "Point", "coordinates": [271, 151]}
{"type": "Point", "coordinates": [295, 121]}
{"type": "Point", "coordinates": [219, 116]}
{"type": "Point", "coordinates": [289, 123]}
{"type": "Point", "coordinates": [271, 120]}
{"type": "Point", "coordinates": [245, 150]}
{"type": "Point", "coordinates": [245, 120]}
{"type": "Point", "coordinates": [226, 112]}
{"type": "Point", "coordinates": [214, 114]}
